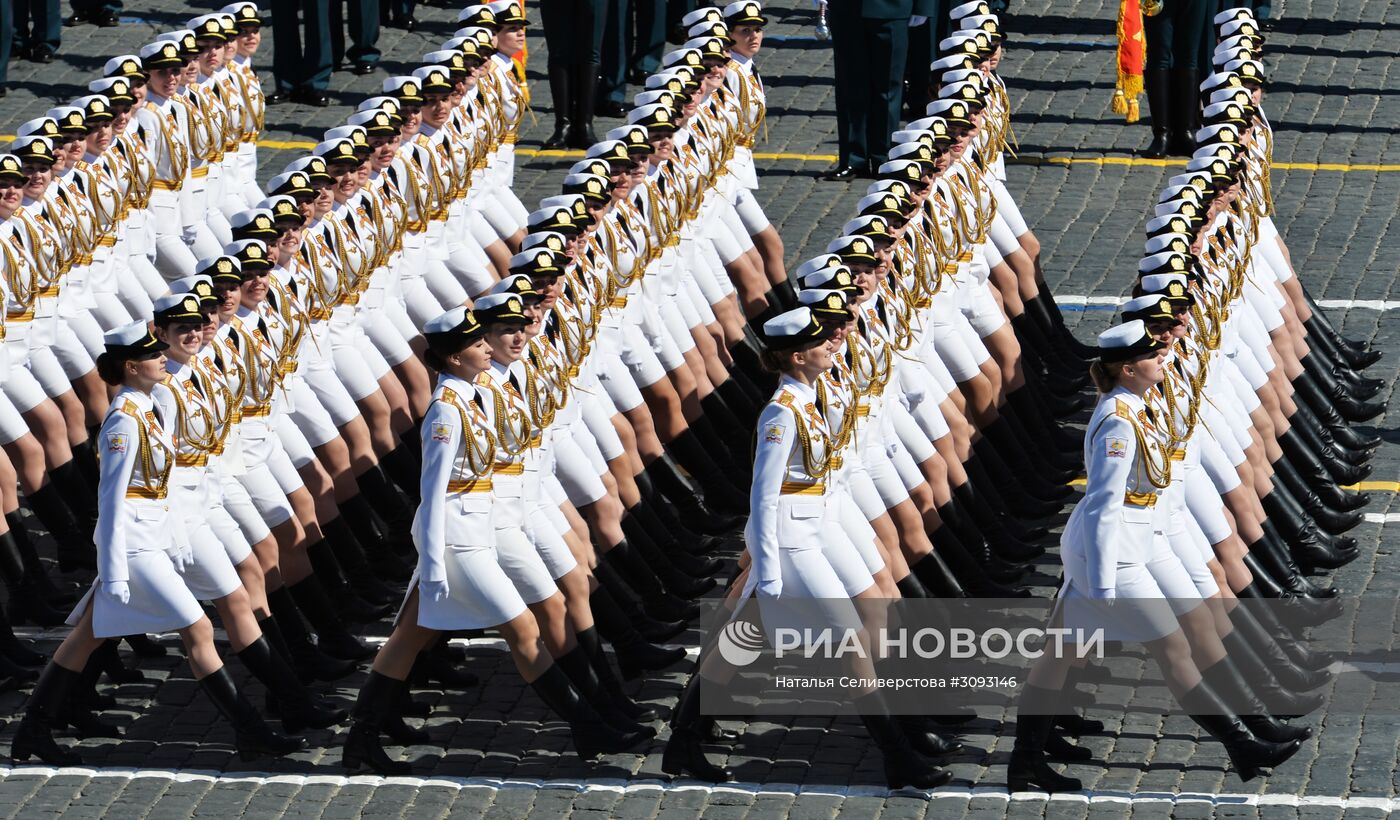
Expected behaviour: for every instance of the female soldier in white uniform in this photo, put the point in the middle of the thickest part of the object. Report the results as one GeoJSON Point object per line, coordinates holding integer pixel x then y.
{"type": "Point", "coordinates": [460, 582]}
{"type": "Point", "coordinates": [141, 549]}
{"type": "Point", "coordinates": [1107, 546]}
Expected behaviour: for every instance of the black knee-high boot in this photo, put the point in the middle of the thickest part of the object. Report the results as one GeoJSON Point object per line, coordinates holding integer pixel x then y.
{"type": "Point", "coordinates": [27, 599]}
{"type": "Point", "coordinates": [350, 554]}
{"type": "Point", "coordinates": [351, 606]}
{"type": "Point", "coordinates": [688, 499]}
{"type": "Point", "coordinates": [312, 600]}
{"type": "Point", "coordinates": [253, 737]}
{"type": "Point", "coordinates": [299, 710]}
{"type": "Point", "coordinates": [1248, 753]}
{"type": "Point", "coordinates": [676, 582]}
{"type": "Point", "coordinates": [720, 491]}
{"type": "Point", "coordinates": [592, 734]}
{"type": "Point", "coordinates": [643, 580]}
{"type": "Point", "coordinates": [1029, 768]}
{"type": "Point", "coordinates": [636, 654]}
{"type": "Point", "coordinates": [375, 706]}
{"type": "Point", "coordinates": [592, 646]}
{"type": "Point", "coordinates": [561, 90]}
{"type": "Point", "coordinates": [75, 550]}
{"type": "Point", "coordinates": [34, 738]}
{"type": "Point", "coordinates": [684, 754]}
{"type": "Point", "coordinates": [287, 628]}
{"type": "Point", "coordinates": [78, 711]}
{"type": "Point", "coordinates": [669, 540]}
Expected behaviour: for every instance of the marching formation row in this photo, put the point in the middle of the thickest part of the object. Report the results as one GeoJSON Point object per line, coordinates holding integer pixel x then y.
{"type": "Point", "coordinates": [379, 370]}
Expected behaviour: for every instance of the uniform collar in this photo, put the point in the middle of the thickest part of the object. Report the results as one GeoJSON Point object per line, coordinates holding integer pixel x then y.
{"type": "Point", "coordinates": [456, 384]}
{"type": "Point", "coordinates": [143, 401]}
{"type": "Point", "coordinates": [177, 370]}
{"type": "Point", "coordinates": [804, 392]}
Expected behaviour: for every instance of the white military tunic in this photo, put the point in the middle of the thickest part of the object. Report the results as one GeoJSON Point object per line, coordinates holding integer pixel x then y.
{"type": "Point", "coordinates": [138, 540]}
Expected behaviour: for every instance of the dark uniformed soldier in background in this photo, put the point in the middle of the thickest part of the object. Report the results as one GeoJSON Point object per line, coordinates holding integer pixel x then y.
{"type": "Point", "coordinates": [38, 25]}
{"type": "Point", "coordinates": [573, 31]}
{"type": "Point", "coordinates": [103, 13]}
{"type": "Point", "coordinates": [302, 70]}
{"type": "Point", "coordinates": [923, 47]}
{"type": "Point", "coordinates": [1174, 44]}
{"type": "Point", "coordinates": [362, 20]}
{"type": "Point", "coordinates": [869, 42]}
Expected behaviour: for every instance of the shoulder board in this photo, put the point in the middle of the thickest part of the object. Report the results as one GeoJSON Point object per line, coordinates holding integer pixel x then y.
{"type": "Point", "coordinates": [129, 407]}
{"type": "Point", "coordinates": [1122, 410]}
{"type": "Point", "coordinates": [449, 395]}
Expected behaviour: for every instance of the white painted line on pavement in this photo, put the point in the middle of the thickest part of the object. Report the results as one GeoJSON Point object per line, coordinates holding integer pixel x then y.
{"type": "Point", "coordinates": [625, 787]}
{"type": "Point", "coordinates": [1382, 518]}
{"type": "Point", "coordinates": [1082, 302]}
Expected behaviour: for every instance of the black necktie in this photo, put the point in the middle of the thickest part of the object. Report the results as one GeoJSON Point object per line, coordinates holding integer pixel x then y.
{"type": "Point", "coordinates": [757, 77]}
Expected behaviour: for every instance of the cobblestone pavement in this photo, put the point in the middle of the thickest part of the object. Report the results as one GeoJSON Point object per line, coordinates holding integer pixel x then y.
{"type": "Point", "coordinates": [1332, 103]}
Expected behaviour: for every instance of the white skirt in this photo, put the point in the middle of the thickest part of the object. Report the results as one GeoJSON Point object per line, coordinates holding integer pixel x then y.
{"type": "Point", "coordinates": [160, 600]}
{"type": "Point", "coordinates": [480, 594]}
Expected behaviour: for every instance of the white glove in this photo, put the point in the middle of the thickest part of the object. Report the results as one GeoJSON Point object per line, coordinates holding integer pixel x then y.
{"type": "Point", "coordinates": [1105, 593]}
{"type": "Point", "coordinates": [770, 589]}
{"type": "Point", "coordinates": [183, 557]}
{"type": "Point", "coordinates": [118, 590]}
{"type": "Point", "coordinates": [433, 590]}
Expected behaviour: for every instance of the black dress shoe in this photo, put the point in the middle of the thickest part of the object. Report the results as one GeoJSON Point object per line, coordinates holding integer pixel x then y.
{"type": "Point", "coordinates": [609, 108]}
{"type": "Point", "coordinates": [41, 54]}
{"type": "Point", "coordinates": [411, 24]}
{"type": "Point", "coordinates": [278, 97]}
{"type": "Point", "coordinates": [841, 173]}
{"type": "Point", "coordinates": [75, 19]}
{"type": "Point", "coordinates": [309, 96]}
{"type": "Point", "coordinates": [106, 19]}
{"type": "Point", "coordinates": [362, 68]}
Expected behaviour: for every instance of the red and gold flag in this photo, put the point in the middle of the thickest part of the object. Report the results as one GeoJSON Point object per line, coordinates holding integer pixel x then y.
{"type": "Point", "coordinates": [1132, 57]}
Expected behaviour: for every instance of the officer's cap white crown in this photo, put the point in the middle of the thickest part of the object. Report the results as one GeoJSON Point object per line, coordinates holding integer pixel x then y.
{"type": "Point", "coordinates": [1220, 79]}
{"type": "Point", "coordinates": [1124, 335]}
{"type": "Point", "coordinates": [860, 223]}
{"type": "Point", "coordinates": [491, 300]}
{"type": "Point", "coordinates": [60, 112]}
{"type": "Point", "coordinates": [249, 216]}
{"type": "Point", "coordinates": [791, 323]}
{"type": "Point", "coordinates": [1239, 25]}
{"type": "Point", "coordinates": [509, 284]}
{"type": "Point", "coordinates": [952, 42]}
{"type": "Point", "coordinates": [948, 63]}
{"type": "Point", "coordinates": [1159, 282]}
{"type": "Point", "coordinates": [234, 8]}
{"type": "Point", "coordinates": [816, 264]}
{"type": "Point", "coordinates": [1236, 13]}
{"type": "Point", "coordinates": [127, 335]}
{"type": "Point", "coordinates": [187, 284]}
{"type": "Point", "coordinates": [821, 297]}
{"type": "Point", "coordinates": [168, 301]}
{"type": "Point", "coordinates": [471, 11]}
{"type": "Point", "coordinates": [375, 102]}
{"type": "Point", "coordinates": [561, 201]}
{"type": "Point", "coordinates": [701, 15]}
{"type": "Point", "coordinates": [1236, 66]}
{"type": "Point", "coordinates": [1166, 242]}
{"type": "Point", "coordinates": [344, 132]}
{"type": "Point", "coordinates": [966, 9]}
{"type": "Point", "coordinates": [645, 111]}
{"type": "Point", "coordinates": [116, 64]}
{"type": "Point", "coordinates": [897, 165]}
{"type": "Point", "coordinates": [1144, 302]}
{"type": "Point", "coordinates": [538, 238]}
{"type": "Point", "coordinates": [446, 321]}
